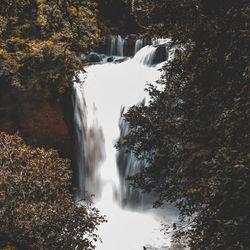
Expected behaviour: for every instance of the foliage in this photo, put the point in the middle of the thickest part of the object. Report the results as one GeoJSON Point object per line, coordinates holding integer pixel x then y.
{"type": "Point", "coordinates": [195, 133]}
{"type": "Point", "coordinates": [36, 207]}
{"type": "Point", "coordinates": [40, 40]}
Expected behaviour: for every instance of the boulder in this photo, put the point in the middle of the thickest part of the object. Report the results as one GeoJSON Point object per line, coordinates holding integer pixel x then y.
{"type": "Point", "coordinates": [120, 60]}
{"type": "Point", "coordinates": [94, 57]}
{"type": "Point", "coordinates": [110, 59]}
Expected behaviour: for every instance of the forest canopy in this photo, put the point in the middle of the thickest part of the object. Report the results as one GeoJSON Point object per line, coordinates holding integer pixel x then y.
{"type": "Point", "coordinates": [194, 133]}
{"type": "Point", "coordinates": [40, 40]}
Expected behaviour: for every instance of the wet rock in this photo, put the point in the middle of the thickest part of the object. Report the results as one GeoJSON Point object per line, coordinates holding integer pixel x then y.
{"type": "Point", "coordinates": [110, 59]}
{"type": "Point", "coordinates": [129, 46]}
{"type": "Point", "coordinates": [160, 55]}
{"type": "Point", "coordinates": [94, 57]}
{"type": "Point", "coordinates": [120, 60]}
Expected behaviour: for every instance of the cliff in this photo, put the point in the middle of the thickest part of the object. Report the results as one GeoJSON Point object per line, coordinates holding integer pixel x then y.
{"type": "Point", "coordinates": [40, 120]}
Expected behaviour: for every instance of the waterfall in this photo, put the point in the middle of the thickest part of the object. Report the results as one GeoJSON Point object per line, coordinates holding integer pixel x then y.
{"type": "Point", "coordinates": [120, 45]}
{"type": "Point", "coordinates": [146, 55]}
{"type": "Point", "coordinates": [79, 177]}
{"type": "Point", "coordinates": [89, 139]}
{"type": "Point", "coordinates": [138, 45]}
{"type": "Point", "coordinates": [88, 148]}
{"type": "Point", "coordinates": [109, 88]}
{"type": "Point", "coordinates": [129, 165]}
{"type": "Point", "coordinates": [114, 45]}
{"type": "Point", "coordinates": [153, 54]}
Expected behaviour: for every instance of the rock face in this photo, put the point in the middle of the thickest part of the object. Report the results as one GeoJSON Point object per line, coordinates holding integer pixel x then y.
{"type": "Point", "coordinates": [39, 120]}
{"type": "Point", "coordinates": [160, 55]}
{"type": "Point", "coordinates": [130, 45]}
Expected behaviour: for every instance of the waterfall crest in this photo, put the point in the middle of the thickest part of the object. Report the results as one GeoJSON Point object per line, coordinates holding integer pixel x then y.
{"type": "Point", "coordinates": [115, 45]}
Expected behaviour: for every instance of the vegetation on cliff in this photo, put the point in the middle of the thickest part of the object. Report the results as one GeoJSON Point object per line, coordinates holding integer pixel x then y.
{"type": "Point", "coordinates": [40, 40]}
{"type": "Point", "coordinates": [36, 207]}
{"type": "Point", "coordinates": [195, 132]}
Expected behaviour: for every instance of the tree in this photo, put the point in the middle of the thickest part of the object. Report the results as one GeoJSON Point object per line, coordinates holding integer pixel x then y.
{"type": "Point", "coordinates": [40, 40]}
{"type": "Point", "coordinates": [194, 134]}
{"type": "Point", "coordinates": [36, 207]}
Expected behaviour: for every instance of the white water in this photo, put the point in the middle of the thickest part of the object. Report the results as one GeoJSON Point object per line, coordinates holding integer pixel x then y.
{"type": "Point", "coordinates": [106, 88]}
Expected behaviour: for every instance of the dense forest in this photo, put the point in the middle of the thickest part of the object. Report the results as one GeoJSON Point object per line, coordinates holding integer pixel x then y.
{"type": "Point", "coordinates": [40, 41]}
{"type": "Point", "coordinates": [194, 133]}
{"type": "Point", "coordinates": [43, 39]}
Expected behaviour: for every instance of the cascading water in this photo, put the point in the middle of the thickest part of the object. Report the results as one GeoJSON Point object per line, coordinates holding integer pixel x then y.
{"type": "Point", "coordinates": [79, 177]}
{"type": "Point", "coordinates": [120, 45]}
{"type": "Point", "coordinates": [89, 145]}
{"type": "Point", "coordinates": [146, 55]}
{"type": "Point", "coordinates": [129, 165]}
{"type": "Point", "coordinates": [114, 45]}
{"type": "Point", "coordinates": [107, 88]}
{"type": "Point", "coordinates": [138, 45]}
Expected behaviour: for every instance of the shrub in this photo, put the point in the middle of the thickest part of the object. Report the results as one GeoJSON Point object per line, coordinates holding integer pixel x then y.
{"type": "Point", "coordinates": [36, 206]}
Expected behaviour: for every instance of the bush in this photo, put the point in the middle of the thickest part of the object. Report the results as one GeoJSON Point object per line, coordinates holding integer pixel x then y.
{"type": "Point", "coordinates": [36, 207]}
